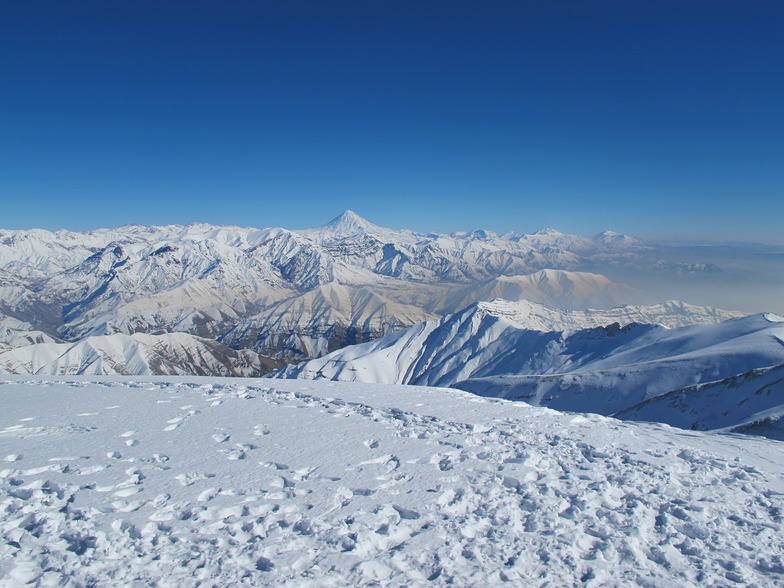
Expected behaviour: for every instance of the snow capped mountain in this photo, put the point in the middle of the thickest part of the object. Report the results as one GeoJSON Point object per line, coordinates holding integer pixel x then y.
{"type": "Point", "coordinates": [348, 225]}
{"type": "Point", "coordinates": [602, 369]}
{"type": "Point", "coordinates": [10, 338]}
{"type": "Point", "coordinates": [294, 294]}
{"type": "Point", "coordinates": [610, 376]}
{"type": "Point", "coordinates": [137, 354]}
{"type": "Point", "coordinates": [479, 336]}
{"type": "Point", "coordinates": [221, 281]}
{"type": "Point", "coordinates": [617, 239]}
{"type": "Point", "coordinates": [321, 320]}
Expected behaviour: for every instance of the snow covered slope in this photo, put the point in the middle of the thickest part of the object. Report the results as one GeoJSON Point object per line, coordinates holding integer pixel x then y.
{"type": "Point", "coordinates": [751, 402]}
{"type": "Point", "coordinates": [539, 317]}
{"type": "Point", "coordinates": [193, 481]}
{"type": "Point", "coordinates": [631, 368]}
{"type": "Point", "coordinates": [235, 284]}
{"type": "Point", "coordinates": [603, 369]}
{"type": "Point", "coordinates": [137, 354]}
{"type": "Point", "coordinates": [321, 320]}
{"type": "Point", "coordinates": [15, 333]}
{"type": "Point", "coordinates": [500, 337]}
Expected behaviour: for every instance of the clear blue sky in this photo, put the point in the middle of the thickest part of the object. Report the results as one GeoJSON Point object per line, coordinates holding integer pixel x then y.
{"type": "Point", "coordinates": [660, 118]}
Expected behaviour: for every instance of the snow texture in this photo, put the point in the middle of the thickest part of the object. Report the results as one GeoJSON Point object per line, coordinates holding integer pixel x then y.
{"type": "Point", "coordinates": [214, 482]}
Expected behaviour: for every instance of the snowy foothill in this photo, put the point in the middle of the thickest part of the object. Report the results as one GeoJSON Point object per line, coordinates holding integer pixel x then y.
{"type": "Point", "coordinates": [611, 370]}
{"type": "Point", "coordinates": [221, 481]}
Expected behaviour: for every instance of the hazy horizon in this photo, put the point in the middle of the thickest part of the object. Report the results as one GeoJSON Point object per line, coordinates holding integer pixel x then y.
{"type": "Point", "coordinates": [687, 241]}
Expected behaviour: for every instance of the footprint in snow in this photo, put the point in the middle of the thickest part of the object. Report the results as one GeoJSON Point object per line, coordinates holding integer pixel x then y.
{"type": "Point", "coordinates": [390, 461]}
{"type": "Point", "coordinates": [208, 494]}
{"type": "Point", "coordinates": [126, 492]}
{"type": "Point", "coordinates": [160, 500]}
{"type": "Point", "coordinates": [127, 506]}
{"type": "Point", "coordinates": [303, 474]}
{"type": "Point", "coordinates": [233, 454]}
{"type": "Point", "coordinates": [190, 478]}
{"type": "Point", "coordinates": [343, 497]}
{"type": "Point", "coordinates": [91, 470]}
{"type": "Point", "coordinates": [274, 465]}
{"type": "Point", "coordinates": [41, 470]}
{"type": "Point", "coordinates": [279, 482]}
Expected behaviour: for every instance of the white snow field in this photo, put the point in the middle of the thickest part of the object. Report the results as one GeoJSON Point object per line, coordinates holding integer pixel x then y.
{"type": "Point", "coordinates": [213, 482]}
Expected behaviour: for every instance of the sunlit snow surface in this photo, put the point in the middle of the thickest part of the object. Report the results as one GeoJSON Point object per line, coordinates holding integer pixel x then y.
{"type": "Point", "coordinates": [188, 481]}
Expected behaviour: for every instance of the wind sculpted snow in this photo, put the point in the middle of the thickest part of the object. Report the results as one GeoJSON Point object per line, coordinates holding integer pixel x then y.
{"type": "Point", "coordinates": [195, 481]}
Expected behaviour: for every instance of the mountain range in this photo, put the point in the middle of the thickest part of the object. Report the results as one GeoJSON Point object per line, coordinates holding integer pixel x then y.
{"type": "Point", "coordinates": [295, 295]}
{"type": "Point", "coordinates": [559, 320]}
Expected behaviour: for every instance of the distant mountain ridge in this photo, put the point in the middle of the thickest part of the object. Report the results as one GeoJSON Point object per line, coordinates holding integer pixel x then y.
{"type": "Point", "coordinates": [294, 295]}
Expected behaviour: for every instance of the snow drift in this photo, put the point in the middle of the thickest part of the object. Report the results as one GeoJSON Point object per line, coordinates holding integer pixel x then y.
{"type": "Point", "coordinates": [194, 481]}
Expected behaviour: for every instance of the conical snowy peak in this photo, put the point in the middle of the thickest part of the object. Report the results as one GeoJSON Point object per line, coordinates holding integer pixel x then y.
{"type": "Point", "coordinates": [349, 223]}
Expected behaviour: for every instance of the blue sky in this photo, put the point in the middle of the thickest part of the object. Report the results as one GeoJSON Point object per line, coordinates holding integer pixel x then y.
{"type": "Point", "coordinates": [651, 118]}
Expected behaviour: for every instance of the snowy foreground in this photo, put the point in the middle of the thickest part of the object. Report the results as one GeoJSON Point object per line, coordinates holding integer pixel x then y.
{"type": "Point", "coordinates": [194, 481]}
